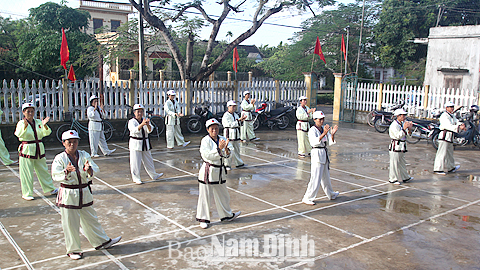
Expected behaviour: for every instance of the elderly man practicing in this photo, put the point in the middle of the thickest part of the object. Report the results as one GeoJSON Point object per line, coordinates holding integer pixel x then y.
{"type": "Point", "coordinates": [231, 130]}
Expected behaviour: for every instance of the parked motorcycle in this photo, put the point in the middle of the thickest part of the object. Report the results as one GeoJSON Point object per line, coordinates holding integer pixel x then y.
{"type": "Point", "coordinates": [197, 121]}
{"type": "Point", "coordinates": [422, 130]}
{"type": "Point", "coordinates": [277, 117]}
{"type": "Point", "coordinates": [383, 119]}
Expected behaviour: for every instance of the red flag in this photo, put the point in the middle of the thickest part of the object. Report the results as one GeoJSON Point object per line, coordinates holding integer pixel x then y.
{"type": "Point", "coordinates": [71, 74]}
{"type": "Point", "coordinates": [64, 52]}
{"type": "Point", "coordinates": [318, 50]}
{"type": "Point", "coordinates": [235, 59]}
{"type": "Point", "coordinates": [343, 49]}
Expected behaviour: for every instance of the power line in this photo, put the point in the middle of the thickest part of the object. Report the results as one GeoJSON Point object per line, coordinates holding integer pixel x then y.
{"type": "Point", "coordinates": [27, 70]}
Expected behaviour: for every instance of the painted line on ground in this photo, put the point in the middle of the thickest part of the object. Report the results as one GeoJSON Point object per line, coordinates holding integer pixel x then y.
{"type": "Point", "coordinates": [386, 234]}
{"type": "Point", "coordinates": [14, 244]}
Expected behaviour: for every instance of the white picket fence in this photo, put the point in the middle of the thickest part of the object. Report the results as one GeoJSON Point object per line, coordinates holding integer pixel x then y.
{"type": "Point", "coordinates": [48, 96]}
{"type": "Point", "coordinates": [367, 97]}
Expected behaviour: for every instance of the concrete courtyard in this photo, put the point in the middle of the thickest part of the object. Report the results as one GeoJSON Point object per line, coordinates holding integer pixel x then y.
{"type": "Point", "coordinates": [431, 223]}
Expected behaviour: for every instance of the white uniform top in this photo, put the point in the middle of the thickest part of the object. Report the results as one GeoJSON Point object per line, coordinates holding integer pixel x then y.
{"type": "Point", "coordinates": [171, 109]}
{"type": "Point", "coordinates": [231, 126]}
{"type": "Point", "coordinates": [448, 125]}
{"type": "Point", "coordinates": [398, 136]}
{"type": "Point", "coordinates": [247, 109]}
{"type": "Point", "coordinates": [319, 147]}
{"type": "Point", "coordinates": [303, 117]}
{"type": "Point", "coordinates": [74, 192]}
{"type": "Point", "coordinates": [95, 118]}
{"type": "Point", "coordinates": [139, 141]}
{"type": "Point", "coordinates": [213, 170]}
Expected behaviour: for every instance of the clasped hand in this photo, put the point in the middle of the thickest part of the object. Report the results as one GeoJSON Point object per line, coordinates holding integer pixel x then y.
{"type": "Point", "coordinates": [223, 144]}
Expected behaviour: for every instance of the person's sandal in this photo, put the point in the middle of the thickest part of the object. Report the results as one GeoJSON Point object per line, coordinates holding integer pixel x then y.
{"type": "Point", "coordinates": [75, 256]}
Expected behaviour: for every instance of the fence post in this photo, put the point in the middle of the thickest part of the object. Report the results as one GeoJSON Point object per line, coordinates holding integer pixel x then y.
{"type": "Point", "coordinates": [229, 76]}
{"type": "Point", "coordinates": [65, 94]}
{"type": "Point", "coordinates": [162, 75]}
{"type": "Point", "coordinates": [250, 78]}
{"type": "Point", "coordinates": [277, 91]}
{"type": "Point", "coordinates": [188, 97]}
{"type": "Point", "coordinates": [380, 97]}
{"type": "Point", "coordinates": [337, 95]}
{"type": "Point", "coordinates": [311, 94]}
{"type": "Point", "coordinates": [425, 98]}
{"type": "Point", "coordinates": [211, 78]}
{"type": "Point", "coordinates": [131, 96]}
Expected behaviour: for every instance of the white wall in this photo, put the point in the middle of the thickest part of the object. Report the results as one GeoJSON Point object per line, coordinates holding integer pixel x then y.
{"type": "Point", "coordinates": [455, 48]}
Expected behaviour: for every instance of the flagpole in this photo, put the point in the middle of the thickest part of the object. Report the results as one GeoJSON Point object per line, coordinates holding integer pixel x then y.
{"type": "Point", "coordinates": [313, 58]}
{"type": "Point", "coordinates": [346, 55]}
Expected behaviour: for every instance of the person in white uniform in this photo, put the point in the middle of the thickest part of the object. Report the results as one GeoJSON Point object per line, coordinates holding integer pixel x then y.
{"type": "Point", "coordinates": [139, 145]}
{"type": "Point", "coordinates": [4, 155]}
{"type": "Point", "coordinates": [246, 130]}
{"type": "Point", "coordinates": [74, 169]}
{"type": "Point", "coordinates": [399, 131]}
{"type": "Point", "coordinates": [214, 149]}
{"type": "Point", "coordinates": [320, 137]}
{"type": "Point", "coordinates": [173, 113]}
{"type": "Point", "coordinates": [231, 130]}
{"type": "Point", "coordinates": [449, 124]}
{"type": "Point", "coordinates": [95, 114]}
{"type": "Point", "coordinates": [303, 113]}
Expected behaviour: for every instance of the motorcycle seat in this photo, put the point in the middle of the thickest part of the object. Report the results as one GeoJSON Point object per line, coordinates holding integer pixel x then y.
{"type": "Point", "coordinates": [279, 111]}
{"type": "Point", "coordinates": [420, 122]}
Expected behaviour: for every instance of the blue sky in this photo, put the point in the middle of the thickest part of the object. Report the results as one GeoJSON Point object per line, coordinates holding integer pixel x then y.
{"type": "Point", "coordinates": [266, 35]}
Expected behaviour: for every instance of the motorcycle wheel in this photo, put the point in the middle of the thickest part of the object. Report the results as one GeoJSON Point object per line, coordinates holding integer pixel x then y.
{"type": "Point", "coordinates": [256, 123]}
{"type": "Point", "coordinates": [435, 141]}
{"type": "Point", "coordinates": [371, 118]}
{"type": "Point", "coordinates": [282, 122]}
{"type": "Point", "coordinates": [194, 125]}
{"type": "Point", "coordinates": [381, 125]}
{"type": "Point", "coordinates": [476, 140]}
{"type": "Point", "coordinates": [415, 139]}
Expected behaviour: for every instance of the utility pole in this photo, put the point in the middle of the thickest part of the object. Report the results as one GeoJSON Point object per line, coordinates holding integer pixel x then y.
{"type": "Point", "coordinates": [141, 48]}
{"type": "Point", "coordinates": [439, 15]}
{"type": "Point", "coordinates": [360, 40]}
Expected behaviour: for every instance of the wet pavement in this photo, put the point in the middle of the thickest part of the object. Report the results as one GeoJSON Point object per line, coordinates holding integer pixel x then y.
{"type": "Point", "coordinates": [431, 223]}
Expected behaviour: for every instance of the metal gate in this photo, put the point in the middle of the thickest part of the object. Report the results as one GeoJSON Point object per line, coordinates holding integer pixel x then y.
{"type": "Point", "coordinates": [349, 97]}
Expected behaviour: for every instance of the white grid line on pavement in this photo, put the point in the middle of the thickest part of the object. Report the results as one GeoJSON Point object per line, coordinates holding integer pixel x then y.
{"type": "Point", "coordinates": [54, 207]}
{"type": "Point", "coordinates": [228, 231]}
{"type": "Point", "coordinates": [386, 234]}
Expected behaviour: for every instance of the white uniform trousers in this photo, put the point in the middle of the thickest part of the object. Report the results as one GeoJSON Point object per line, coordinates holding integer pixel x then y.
{"type": "Point", "coordinates": [444, 158]}
{"type": "Point", "coordinates": [97, 138]}
{"type": "Point", "coordinates": [246, 131]}
{"type": "Point", "coordinates": [222, 201]}
{"type": "Point", "coordinates": [136, 159]}
{"type": "Point", "coordinates": [4, 155]}
{"type": "Point", "coordinates": [320, 175]}
{"type": "Point", "coordinates": [304, 147]}
{"type": "Point", "coordinates": [174, 132]}
{"type": "Point", "coordinates": [86, 217]}
{"type": "Point", "coordinates": [234, 159]}
{"type": "Point", "coordinates": [398, 168]}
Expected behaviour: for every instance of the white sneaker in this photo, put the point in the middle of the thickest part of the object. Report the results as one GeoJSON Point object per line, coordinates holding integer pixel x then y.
{"type": "Point", "coordinates": [158, 176]}
{"type": "Point", "coordinates": [454, 169]}
{"type": "Point", "coordinates": [138, 182]}
{"type": "Point", "coordinates": [256, 139]}
{"type": "Point", "coordinates": [228, 168]}
{"type": "Point", "coordinates": [93, 156]}
{"type": "Point", "coordinates": [335, 195]}
{"type": "Point", "coordinates": [110, 152]}
{"type": "Point", "coordinates": [112, 242]}
{"type": "Point", "coordinates": [308, 202]}
{"type": "Point", "coordinates": [13, 163]}
{"type": "Point", "coordinates": [203, 225]}
{"type": "Point", "coordinates": [440, 173]}
{"type": "Point", "coordinates": [54, 192]}
{"type": "Point", "coordinates": [186, 143]}
{"type": "Point", "coordinates": [235, 215]}
{"type": "Point", "coordinates": [28, 198]}
{"type": "Point", "coordinates": [75, 256]}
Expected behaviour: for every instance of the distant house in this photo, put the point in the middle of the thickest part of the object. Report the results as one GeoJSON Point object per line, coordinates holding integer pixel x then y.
{"type": "Point", "coordinates": [106, 17]}
{"type": "Point", "coordinates": [453, 57]}
{"type": "Point", "coordinates": [253, 52]}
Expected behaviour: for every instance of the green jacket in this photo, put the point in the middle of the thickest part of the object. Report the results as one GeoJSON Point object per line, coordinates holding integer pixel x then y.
{"type": "Point", "coordinates": [31, 146]}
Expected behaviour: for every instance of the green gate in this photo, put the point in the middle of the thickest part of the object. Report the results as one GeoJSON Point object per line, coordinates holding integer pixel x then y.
{"type": "Point", "coordinates": [349, 97]}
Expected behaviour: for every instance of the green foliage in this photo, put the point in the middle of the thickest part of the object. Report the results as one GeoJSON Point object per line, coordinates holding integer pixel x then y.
{"type": "Point", "coordinates": [34, 43]}
{"type": "Point", "coordinates": [401, 21]}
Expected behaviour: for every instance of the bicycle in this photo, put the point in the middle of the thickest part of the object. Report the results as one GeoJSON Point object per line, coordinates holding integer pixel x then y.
{"type": "Point", "coordinates": [76, 125]}
{"type": "Point", "coordinates": [157, 121]}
